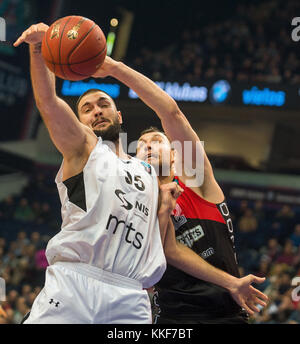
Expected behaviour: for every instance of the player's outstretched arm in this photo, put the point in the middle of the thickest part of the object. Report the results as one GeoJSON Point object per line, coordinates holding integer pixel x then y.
{"type": "Point", "coordinates": [65, 130]}
{"type": "Point", "coordinates": [187, 260]}
{"type": "Point", "coordinates": [174, 122]}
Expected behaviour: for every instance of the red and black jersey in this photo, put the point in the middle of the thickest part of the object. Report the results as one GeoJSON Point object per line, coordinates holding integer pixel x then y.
{"type": "Point", "coordinates": [207, 229]}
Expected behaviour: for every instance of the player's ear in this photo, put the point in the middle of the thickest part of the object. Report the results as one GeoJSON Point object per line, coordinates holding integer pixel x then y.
{"type": "Point", "coordinates": [120, 117]}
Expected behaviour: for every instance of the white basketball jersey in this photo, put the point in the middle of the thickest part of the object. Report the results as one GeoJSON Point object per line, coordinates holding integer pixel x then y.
{"type": "Point", "coordinates": [109, 214]}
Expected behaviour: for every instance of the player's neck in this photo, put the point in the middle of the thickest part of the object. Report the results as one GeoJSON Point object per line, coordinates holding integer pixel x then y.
{"type": "Point", "coordinates": [117, 148]}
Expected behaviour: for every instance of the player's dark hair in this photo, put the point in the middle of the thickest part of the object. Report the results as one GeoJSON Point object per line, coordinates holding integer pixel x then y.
{"type": "Point", "coordinates": [91, 90]}
{"type": "Point", "coordinates": [153, 130]}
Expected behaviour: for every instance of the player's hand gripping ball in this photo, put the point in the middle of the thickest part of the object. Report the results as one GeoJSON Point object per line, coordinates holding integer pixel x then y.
{"type": "Point", "coordinates": [74, 48]}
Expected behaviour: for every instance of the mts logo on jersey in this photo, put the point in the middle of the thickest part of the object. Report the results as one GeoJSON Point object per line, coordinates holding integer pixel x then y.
{"type": "Point", "coordinates": [132, 236]}
{"type": "Point", "coordinates": [190, 236]}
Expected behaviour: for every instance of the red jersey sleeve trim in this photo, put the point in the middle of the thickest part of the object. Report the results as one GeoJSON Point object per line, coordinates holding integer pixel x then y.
{"type": "Point", "coordinates": [195, 207]}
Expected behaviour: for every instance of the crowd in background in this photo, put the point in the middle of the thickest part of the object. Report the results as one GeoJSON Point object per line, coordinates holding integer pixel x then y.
{"type": "Point", "coordinates": [267, 240]}
{"type": "Point", "coordinates": [27, 222]}
{"type": "Point", "coordinates": [254, 45]}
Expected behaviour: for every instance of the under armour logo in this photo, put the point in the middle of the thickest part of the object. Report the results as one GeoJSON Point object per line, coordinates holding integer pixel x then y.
{"type": "Point", "coordinates": [52, 301]}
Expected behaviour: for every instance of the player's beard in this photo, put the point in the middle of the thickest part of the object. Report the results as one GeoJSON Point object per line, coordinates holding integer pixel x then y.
{"type": "Point", "coordinates": [111, 133]}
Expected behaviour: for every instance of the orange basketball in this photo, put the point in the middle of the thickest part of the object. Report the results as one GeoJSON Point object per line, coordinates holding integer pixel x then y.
{"type": "Point", "coordinates": [74, 48]}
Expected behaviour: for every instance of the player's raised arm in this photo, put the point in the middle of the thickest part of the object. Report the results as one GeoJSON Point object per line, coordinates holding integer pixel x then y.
{"type": "Point", "coordinates": [66, 132]}
{"type": "Point", "coordinates": [174, 122]}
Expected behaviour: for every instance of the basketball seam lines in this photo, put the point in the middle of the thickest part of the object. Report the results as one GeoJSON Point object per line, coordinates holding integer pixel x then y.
{"type": "Point", "coordinates": [86, 61]}
{"type": "Point", "coordinates": [82, 38]}
{"type": "Point", "coordinates": [90, 58]}
{"type": "Point", "coordinates": [60, 39]}
{"type": "Point", "coordinates": [74, 63]}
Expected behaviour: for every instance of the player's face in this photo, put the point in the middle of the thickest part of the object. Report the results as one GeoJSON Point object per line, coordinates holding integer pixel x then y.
{"type": "Point", "coordinates": [155, 149]}
{"type": "Point", "coordinates": [98, 112]}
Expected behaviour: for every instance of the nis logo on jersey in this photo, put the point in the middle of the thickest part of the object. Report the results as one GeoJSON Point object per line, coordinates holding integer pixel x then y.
{"type": "Point", "coordinates": [138, 206]}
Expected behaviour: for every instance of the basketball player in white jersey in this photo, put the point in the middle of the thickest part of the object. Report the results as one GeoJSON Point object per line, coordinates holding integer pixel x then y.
{"type": "Point", "coordinates": [109, 249]}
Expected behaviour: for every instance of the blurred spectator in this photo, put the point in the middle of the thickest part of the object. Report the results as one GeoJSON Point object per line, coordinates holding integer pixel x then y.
{"type": "Point", "coordinates": [30, 297]}
{"type": "Point", "coordinates": [47, 217]}
{"type": "Point", "coordinates": [297, 259]}
{"type": "Point", "coordinates": [287, 256]}
{"type": "Point", "coordinates": [45, 213]}
{"type": "Point", "coordinates": [21, 241]}
{"type": "Point", "coordinates": [36, 240]}
{"type": "Point", "coordinates": [247, 223]}
{"type": "Point", "coordinates": [9, 307]}
{"type": "Point", "coordinates": [244, 205]}
{"type": "Point", "coordinates": [11, 300]}
{"type": "Point", "coordinates": [26, 289]}
{"type": "Point", "coordinates": [263, 268]}
{"type": "Point", "coordinates": [23, 211]}
{"type": "Point", "coordinates": [286, 306]}
{"type": "Point", "coordinates": [7, 208]}
{"type": "Point", "coordinates": [285, 213]}
{"type": "Point", "coordinates": [294, 318]}
{"type": "Point", "coordinates": [295, 237]}
{"type": "Point", "coordinates": [36, 208]}
{"type": "Point", "coordinates": [21, 310]}
{"type": "Point", "coordinates": [276, 231]}
{"type": "Point", "coordinates": [3, 316]}
{"type": "Point", "coordinates": [259, 211]}
{"type": "Point", "coordinates": [2, 243]}
{"type": "Point", "coordinates": [271, 251]}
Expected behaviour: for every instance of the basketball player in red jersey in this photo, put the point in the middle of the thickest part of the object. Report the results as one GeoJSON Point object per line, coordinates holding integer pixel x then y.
{"type": "Point", "coordinates": [203, 293]}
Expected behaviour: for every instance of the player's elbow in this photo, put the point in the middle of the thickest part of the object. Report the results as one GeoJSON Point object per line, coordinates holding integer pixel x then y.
{"type": "Point", "coordinates": [170, 111]}
{"type": "Point", "coordinates": [174, 111]}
